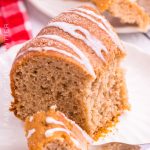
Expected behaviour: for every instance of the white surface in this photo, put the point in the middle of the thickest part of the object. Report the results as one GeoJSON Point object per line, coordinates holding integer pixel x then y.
{"type": "Point", "coordinates": [52, 8]}
{"type": "Point", "coordinates": [134, 125]}
{"type": "Point", "coordinates": [11, 129]}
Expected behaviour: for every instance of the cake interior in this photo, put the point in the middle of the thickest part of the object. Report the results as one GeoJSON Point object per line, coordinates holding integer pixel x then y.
{"type": "Point", "coordinates": [108, 99]}
{"type": "Point", "coordinates": [45, 81]}
{"type": "Point", "coordinates": [128, 12]}
{"type": "Point", "coordinates": [42, 82]}
{"type": "Point", "coordinates": [145, 4]}
{"type": "Point", "coordinates": [57, 144]}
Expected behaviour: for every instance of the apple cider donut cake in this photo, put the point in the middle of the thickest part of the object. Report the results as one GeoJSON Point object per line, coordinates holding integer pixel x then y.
{"type": "Point", "coordinates": [74, 63]}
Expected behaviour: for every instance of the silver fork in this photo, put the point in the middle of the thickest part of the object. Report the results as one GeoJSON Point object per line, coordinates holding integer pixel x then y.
{"type": "Point", "coordinates": [147, 35]}
{"type": "Point", "coordinates": [119, 146]}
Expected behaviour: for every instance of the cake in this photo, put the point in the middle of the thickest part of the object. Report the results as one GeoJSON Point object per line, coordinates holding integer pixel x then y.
{"type": "Point", "coordinates": [145, 4]}
{"type": "Point", "coordinates": [74, 63]}
{"type": "Point", "coordinates": [128, 11]}
{"type": "Point", "coordinates": [52, 130]}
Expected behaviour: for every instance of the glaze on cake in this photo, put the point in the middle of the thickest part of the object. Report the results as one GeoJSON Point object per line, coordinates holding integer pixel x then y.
{"type": "Point", "coordinates": [133, 12]}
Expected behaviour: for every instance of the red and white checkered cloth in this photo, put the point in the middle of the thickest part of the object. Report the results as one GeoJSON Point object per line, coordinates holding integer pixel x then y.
{"type": "Point", "coordinates": [14, 23]}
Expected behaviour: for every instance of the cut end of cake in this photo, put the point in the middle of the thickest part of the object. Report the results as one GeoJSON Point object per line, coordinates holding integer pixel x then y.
{"type": "Point", "coordinates": [48, 82]}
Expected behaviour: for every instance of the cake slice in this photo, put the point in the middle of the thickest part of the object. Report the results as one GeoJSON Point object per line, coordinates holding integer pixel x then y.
{"type": "Point", "coordinates": [128, 11]}
{"type": "Point", "coordinates": [52, 130]}
{"type": "Point", "coordinates": [145, 4]}
{"type": "Point", "coordinates": [74, 63]}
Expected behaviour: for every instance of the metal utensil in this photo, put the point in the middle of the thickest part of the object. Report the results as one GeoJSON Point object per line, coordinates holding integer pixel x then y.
{"type": "Point", "coordinates": [119, 146]}
{"type": "Point", "coordinates": [147, 35]}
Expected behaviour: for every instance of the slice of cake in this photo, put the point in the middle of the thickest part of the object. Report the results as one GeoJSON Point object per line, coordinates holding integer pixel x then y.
{"type": "Point", "coordinates": [145, 4]}
{"type": "Point", "coordinates": [52, 130]}
{"type": "Point", "coordinates": [128, 11]}
{"type": "Point", "coordinates": [73, 63]}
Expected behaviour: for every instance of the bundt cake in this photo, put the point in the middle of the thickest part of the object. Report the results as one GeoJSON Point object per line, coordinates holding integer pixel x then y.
{"type": "Point", "coordinates": [74, 63]}
{"type": "Point", "coordinates": [52, 130]}
{"type": "Point", "coordinates": [128, 11]}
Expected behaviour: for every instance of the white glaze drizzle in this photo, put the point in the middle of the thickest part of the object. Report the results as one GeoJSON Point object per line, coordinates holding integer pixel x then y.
{"type": "Point", "coordinates": [75, 142]}
{"type": "Point", "coordinates": [31, 119]}
{"type": "Point", "coordinates": [88, 39]}
{"type": "Point", "coordinates": [89, 18]}
{"type": "Point", "coordinates": [107, 28]}
{"type": "Point", "coordinates": [84, 59]}
{"type": "Point", "coordinates": [87, 137]}
{"type": "Point", "coordinates": [50, 120]}
{"type": "Point", "coordinates": [50, 132]}
{"type": "Point", "coordinates": [46, 48]}
{"type": "Point", "coordinates": [54, 121]}
{"type": "Point", "coordinates": [30, 132]}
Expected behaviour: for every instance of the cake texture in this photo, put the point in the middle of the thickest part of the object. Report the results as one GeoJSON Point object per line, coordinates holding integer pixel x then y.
{"type": "Point", "coordinates": [74, 63]}
{"type": "Point", "coordinates": [128, 11]}
{"type": "Point", "coordinates": [52, 130]}
{"type": "Point", "coordinates": [145, 4]}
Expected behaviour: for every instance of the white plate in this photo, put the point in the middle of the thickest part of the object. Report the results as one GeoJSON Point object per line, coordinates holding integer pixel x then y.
{"type": "Point", "coordinates": [52, 8]}
{"type": "Point", "coordinates": [134, 125]}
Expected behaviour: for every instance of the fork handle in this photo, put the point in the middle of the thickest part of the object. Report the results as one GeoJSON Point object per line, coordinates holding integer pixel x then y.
{"type": "Point", "coordinates": [119, 146]}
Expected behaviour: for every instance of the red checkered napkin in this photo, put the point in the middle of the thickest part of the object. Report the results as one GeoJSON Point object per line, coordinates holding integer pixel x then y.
{"type": "Point", "coordinates": [14, 24]}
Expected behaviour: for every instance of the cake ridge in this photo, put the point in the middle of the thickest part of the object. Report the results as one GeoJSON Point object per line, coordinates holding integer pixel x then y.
{"type": "Point", "coordinates": [104, 25]}
{"type": "Point", "coordinates": [90, 40]}
{"type": "Point", "coordinates": [88, 17]}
